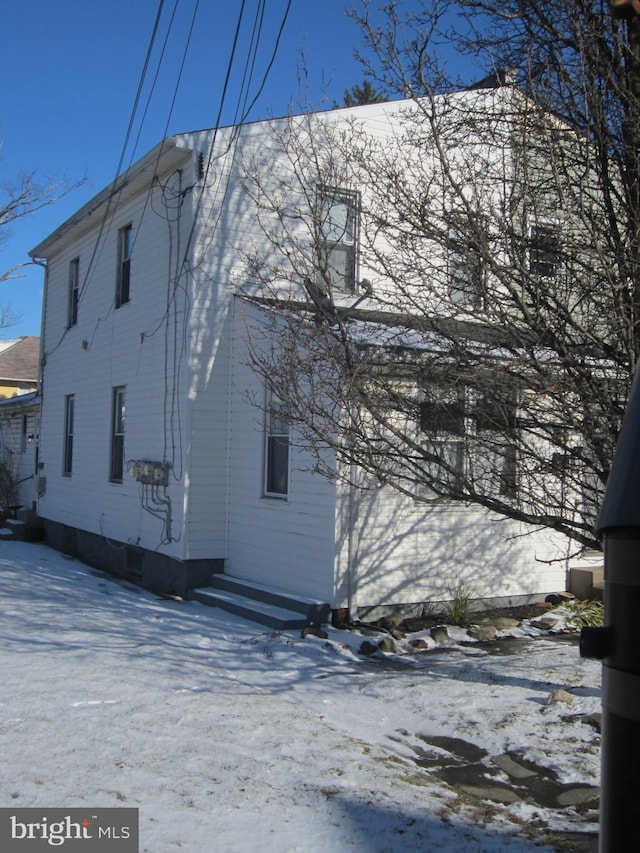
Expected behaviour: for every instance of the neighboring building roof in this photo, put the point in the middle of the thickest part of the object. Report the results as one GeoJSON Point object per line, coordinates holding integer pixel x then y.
{"type": "Point", "coordinates": [22, 401]}
{"type": "Point", "coordinates": [19, 359]}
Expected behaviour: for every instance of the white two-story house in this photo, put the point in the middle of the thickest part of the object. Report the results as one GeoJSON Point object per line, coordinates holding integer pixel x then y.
{"type": "Point", "coordinates": [163, 457]}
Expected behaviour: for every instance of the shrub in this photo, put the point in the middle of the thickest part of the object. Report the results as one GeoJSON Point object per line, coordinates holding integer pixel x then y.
{"type": "Point", "coordinates": [8, 487]}
{"type": "Point", "coordinates": [584, 614]}
{"type": "Point", "coordinates": [458, 610]}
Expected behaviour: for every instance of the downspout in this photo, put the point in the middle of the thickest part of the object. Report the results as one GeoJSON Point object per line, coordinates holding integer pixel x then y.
{"type": "Point", "coordinates": [41, 362]}
{"type": "Point", "coordinates": [43, 264]}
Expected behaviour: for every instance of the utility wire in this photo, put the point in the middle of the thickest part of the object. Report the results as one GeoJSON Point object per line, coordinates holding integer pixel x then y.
{"type": "Point", "coordinates": [143, 76]}
{"type": "Point", "coordinates": [242, 110]}
{"type": "Point", "coordinates": [216, 127]}
{"type": "Point", "coordinates": [107, 212]}
{"type": "Point", "coordinates": [155, 80]}
{"type": "Point", "coordinates": [244, 115]}
{"type": "Point", "coordinates": [171, 107]}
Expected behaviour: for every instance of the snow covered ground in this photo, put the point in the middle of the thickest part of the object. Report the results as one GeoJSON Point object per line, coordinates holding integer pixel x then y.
{"type": "Point", "coordinates": [228, 737]}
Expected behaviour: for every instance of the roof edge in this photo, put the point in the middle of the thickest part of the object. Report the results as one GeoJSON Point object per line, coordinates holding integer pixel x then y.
{"type": "Point", "coordinates": [164, 153]}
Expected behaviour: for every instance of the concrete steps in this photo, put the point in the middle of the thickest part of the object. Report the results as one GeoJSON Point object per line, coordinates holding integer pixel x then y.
{"type": "Point", "coordinates": [11, 528]}
{"type": "Point", "coordinates": [26, 528]}
{"type": "Point", "coordinates": [268, 606]}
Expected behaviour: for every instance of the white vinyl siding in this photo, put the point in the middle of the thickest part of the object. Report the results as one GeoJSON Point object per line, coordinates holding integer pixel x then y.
{"type": "Point", "coordinates": [109, 349]}
{"type": "Point", "coordinates": [429, 549]}
{"type": "Point", "coordinates": [287, 544]}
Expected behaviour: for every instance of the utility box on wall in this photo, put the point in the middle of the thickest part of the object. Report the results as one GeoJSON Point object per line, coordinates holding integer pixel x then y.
{"type": "Point", "coordinates": [150, 473]}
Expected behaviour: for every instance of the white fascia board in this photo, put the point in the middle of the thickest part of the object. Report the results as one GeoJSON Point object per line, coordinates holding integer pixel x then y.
{"type": "Point", "coordinates": [166, 155]}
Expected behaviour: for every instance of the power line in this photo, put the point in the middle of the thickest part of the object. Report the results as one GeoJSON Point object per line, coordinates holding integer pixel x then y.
{"type": "Point", "coordinates": [246, 112]}
{"type": "Point", "coordinates": [110, 201]}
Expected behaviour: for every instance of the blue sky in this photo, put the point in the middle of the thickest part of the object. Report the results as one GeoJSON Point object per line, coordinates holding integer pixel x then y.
{"type": "Point", "coordinates": [70, 71]}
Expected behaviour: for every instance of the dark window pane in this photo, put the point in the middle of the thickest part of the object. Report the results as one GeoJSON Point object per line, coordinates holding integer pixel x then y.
{"type": "Point", "coordinates": [277, 466]}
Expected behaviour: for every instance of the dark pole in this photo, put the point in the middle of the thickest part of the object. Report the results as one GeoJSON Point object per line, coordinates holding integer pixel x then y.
{"type": "Point", "coordinates": [618, 643]}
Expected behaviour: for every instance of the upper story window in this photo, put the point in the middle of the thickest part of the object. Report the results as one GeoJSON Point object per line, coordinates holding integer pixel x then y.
{"type": "Point", "coordinates": [545, 249]}
{"type": "Point", "coordinates": [338, 224]}
{"type": "Point", "coordinates": [67, 463]}
{"type": "Point", "coordinates": [124, 265]}
{"type": "Point", "coordinates": [118, 401]}
{"type": "Point", "coordinates": [467, 277]}
{"type": "Point", "coordinates": [276, 473]}
{"type": "Point", "coordinates": [74, 292]}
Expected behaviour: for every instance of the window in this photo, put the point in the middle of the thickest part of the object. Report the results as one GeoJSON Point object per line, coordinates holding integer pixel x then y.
{"type": "Point", "coordinates": [276, 479]}
{"type": "Point", "coordinates": [338, 220]}
{"type": "Point", "coordinates": [67, 464]}
{"type": "Point", "coordinates": [495, 410]}
{"type": "Point", "coordinates": [545, 250]}
{"type": "Point", "coordinates": [117, 435]}
{"type": "Point", "coordinates": [442, 420]}
{"type": "Point", "coordinates": [23, 434]}
{"type": "Point", "coordinates": [74, 290]}
{"type": "Point", "coordinates": [470, 432]}
{"type": "Point", "coordinates": [443, 410]}
{"type": "Point", "coordinates": [124, 265]}
{"type": "Point", "coordinates": [565, 462]}
{"type": "Point", "coordinates": [466, 270]}
{"type": "Point", "coordinates": [495, 414]}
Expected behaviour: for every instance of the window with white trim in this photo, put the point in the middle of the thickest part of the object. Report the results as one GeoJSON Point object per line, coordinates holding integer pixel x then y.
{"type": "Point", "coordinates": [118, 411]}
{"type": "Point", "coordinates": [67, 463]}
{"type": "Point", "coordinates": [470, 435]}
{"type": "Point", "coordinates": [495, 416]}
{"type": "Point", "coordinates": [338, 214]}
{"type": "Point", "coordinates": [74, 292]}
{"type": "Point", "coordinates": [276, 467]}
{"type": "Point", "coordinates": [442, 422]}
{"type": "Point", "coordinates": [123, 278]}
{"type": "Point", "coordinates": [545, 249]}
{"type": "Point", "coordinates": [467, 273]}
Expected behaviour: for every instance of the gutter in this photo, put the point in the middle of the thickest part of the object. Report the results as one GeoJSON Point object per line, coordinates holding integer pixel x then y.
{"type": "Point", "coordinates": [164, 156]}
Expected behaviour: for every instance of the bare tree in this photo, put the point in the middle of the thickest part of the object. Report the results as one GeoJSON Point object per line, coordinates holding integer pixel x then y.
{"type": "Point", "coordinates": [481, 345]}
{"type": "Point", "coordinates": [23, 197]}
